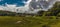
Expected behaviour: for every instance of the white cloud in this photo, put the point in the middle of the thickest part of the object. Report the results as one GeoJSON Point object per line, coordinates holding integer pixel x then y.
{"type": "Point", "coordinates": [21, 9]}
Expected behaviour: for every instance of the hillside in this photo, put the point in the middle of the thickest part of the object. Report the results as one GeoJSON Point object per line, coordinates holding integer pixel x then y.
{"type": "Point", "coordinates": [54, 11]}
{"type": "Point", "coordinates": [50, 18]}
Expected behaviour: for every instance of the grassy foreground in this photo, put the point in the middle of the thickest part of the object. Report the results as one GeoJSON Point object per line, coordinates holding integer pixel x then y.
{"type": "Point", "coordinates": [43, 21]}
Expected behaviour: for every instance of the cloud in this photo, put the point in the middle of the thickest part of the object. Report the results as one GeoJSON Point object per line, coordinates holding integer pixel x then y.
{"type": "Point", "coordinates": [21, 9]}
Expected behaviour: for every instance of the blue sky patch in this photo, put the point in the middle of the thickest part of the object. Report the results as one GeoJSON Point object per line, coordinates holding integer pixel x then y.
{"type": "Point", "coordinates": [17, 2]}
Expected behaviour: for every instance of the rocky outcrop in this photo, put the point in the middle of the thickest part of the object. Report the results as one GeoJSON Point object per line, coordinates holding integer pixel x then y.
{"type": "Point", "coordinates": [43, 4]}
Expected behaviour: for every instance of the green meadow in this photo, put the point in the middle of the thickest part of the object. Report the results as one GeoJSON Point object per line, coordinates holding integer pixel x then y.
{"type": "Point", "coordinates": [43, 21]}
{"type": "Point", "coordinates": [50, 18]}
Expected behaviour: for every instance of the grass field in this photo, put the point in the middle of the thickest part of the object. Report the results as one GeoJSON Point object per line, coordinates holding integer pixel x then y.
{"type": "Point", "coordinates": [15, 21]}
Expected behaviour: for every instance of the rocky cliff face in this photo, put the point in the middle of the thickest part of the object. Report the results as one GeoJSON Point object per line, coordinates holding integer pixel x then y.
{"type": "Point", "coordinates": [34, 5]}
{"type": "Point", "coordinates": [43, 4]}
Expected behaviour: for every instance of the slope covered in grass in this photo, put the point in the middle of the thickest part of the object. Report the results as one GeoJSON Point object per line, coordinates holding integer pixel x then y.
{"type": "Point", "coordinates": [44, 21]}
{"type": "Point", "coordinates": [50, 18]}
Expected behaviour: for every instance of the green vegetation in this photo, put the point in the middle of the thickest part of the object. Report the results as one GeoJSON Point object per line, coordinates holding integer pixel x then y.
{"type": "Point", "coordinates": [10, 21]}
{"type": "Point", "coordinates": [50, 18]}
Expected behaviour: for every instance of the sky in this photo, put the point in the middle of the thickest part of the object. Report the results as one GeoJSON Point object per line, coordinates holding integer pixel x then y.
{"type": "Point", "coordinates": [17, 2]}
{"type": "Point", "coordinates": [21, 5]}
{"type": "Point", "coordinates": [13, 5]}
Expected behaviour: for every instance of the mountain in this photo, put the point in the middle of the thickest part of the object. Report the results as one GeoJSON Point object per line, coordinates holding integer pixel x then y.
{"type": "Point", "coordinates": [55, 10]}
{"type": "Point", "coordinates": [31, 6]}
{"type": "Point", "coordinates": [41, 4]}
